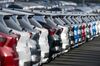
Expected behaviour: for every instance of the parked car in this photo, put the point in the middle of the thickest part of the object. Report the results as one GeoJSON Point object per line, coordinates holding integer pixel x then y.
{"type": "Point", "coordinates": [43, 41]}
{"type": "Point", "coordinates": [64, 35]}
{"type": "Point", "coordinates": [75, 31]}
{"type": "Point", "coordinates": [83, 29]}
{"type": "Point", "coordinates": [79, 23]}
{"type": "Point", "coordinates": [8, 54]}
{"type": "Point", "coordinates": [53, 37]}
{"type": "Point", "coordinates": [22, 44]}
{"type": "Point", "coordinates": [71, 32]}
{"type": "Point", "coordinates": [97, 25]}
{"type": "Point", "coordinates": [88, 33]}
{"type": "Point", "coordinates": [28, 44]}
{"type": "Point", "coordinates": [93, 24]}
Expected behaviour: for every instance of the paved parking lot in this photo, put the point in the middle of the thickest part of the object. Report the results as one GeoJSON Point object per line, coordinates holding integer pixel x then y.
{"type": "Point", "coordinates": [86, 55]}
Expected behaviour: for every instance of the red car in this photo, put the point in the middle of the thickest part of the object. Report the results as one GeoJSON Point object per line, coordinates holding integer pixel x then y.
{"type": "Point", "coordinates": [83, 32]}
{"type": "Point", "coordinates": [8, 54]}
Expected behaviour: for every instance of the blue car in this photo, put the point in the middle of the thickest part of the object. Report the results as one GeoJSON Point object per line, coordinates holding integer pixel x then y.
{"type": "Point", "coordinates": [76, 35]}
{"type": "Point", "coordinates": [94, 28]}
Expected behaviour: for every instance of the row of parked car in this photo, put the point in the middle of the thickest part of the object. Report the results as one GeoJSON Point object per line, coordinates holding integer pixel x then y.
{"type": "Point", "coordinates": [27, 39]}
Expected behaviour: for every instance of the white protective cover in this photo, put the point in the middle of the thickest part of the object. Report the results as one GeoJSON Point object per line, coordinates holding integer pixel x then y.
{"type": "Point", "coordinates": [91, 28]}
{"type": "Point", "coordinates": [64, 34]}
{"type": "Point", "coordinates": [98, 27]}
{"type": "Point", "coordinates": [43, 42]}
{"type": "Point", "coordinates": [79, 32]}
{"type": "Point", "coordinates": [23, 48]}
{"type": "Point", "coordinates": [87, 30]}
{"type": "Point", "coordinates": [64, 37]}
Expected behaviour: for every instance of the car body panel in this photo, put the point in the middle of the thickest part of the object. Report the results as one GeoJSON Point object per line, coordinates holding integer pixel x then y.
{"type": "Point", "coordinates": [8, 54]}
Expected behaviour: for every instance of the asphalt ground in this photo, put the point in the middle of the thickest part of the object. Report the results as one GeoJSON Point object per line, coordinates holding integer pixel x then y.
{"type": "Point", "coordinates": [87, 54]}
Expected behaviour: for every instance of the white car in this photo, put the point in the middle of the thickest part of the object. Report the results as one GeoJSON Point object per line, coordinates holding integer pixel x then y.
{"type": "Point", "coordinates": [75, 30]}
{"type": "Point", "coordinates": [93, 28]}
{"type": "Point", "coordinates": [43, 37]}
{"type": "Point", "coordinates": [54, 37]}
{"type": "Point", "coordinates": [90, 29]}
{"type": "Point", "coordinates": [43, 40]}
{"type": "Point", "coordinates": [98, 24]}
{"type": "Point", "coordinates": [64, 34]}
{"type": "Point", "coordinates": [71, 33]}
